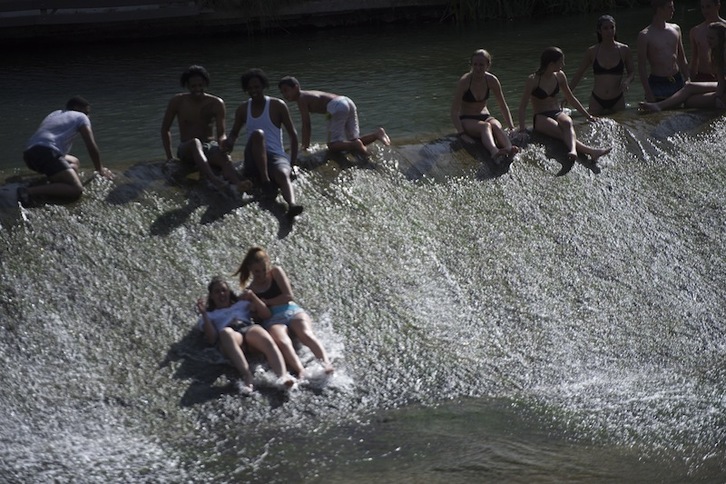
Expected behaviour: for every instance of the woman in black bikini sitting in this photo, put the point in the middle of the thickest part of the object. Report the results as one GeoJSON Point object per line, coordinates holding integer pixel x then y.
{"type": "Point", "coordinates": [542, 88]}
{"type": "Point", "coordinates": [469, 111]}
{"type": "Point", "coordinates": [610, 83]}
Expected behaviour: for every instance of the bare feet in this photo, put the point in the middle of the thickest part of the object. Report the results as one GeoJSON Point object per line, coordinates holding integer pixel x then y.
{"type": "Point", "coordinates": [293, 211]}
{"type": "Point", "coordinates": [383, 137]}
{"type": "Point", "coordinates": [596, 154]}
{"type": "Point", "coordinates": [513, 150]}
{"type": "Point", "coordinates": [649, 107]}
{"type": "Point", "coordinates": [500, 156]}
{"type": "Point", "coordinates": [245, 388]}
{"type": "Point", "coordinates": [328, 367]}
{"type": "Point", "coordinates": [286, 381]}
{"type": "Point", "coordinates": [572, 156]}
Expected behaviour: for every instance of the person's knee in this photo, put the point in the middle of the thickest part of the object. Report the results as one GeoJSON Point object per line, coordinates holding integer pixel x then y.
{"type": "Point", "coordinates": [257, 136]}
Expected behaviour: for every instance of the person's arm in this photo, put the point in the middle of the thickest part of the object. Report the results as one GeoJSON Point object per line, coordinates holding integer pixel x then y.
{"type": "Point", "coordinates": [210, 332]}
{"type": "Point", "coordinates": [258, 308]}
{"type": "Point", "coordinates": [240, 118]}
{"type": "Point", "coordinates": [587, 61]}
{"type": "Point", "coordinates": [284, 284]}
{"type": "Point", "coordinates": [220, 114]}
{"type": "Point", "coordinates": [567, 92]}
{"type": "Point", "coordinates": [169, 115]}
{"type": "Point", "coordinates": [306, 122]}
{"type": "Point", "coordinates": [496, 87]}
{"type": "Point", "coordinates": [291, 132]}
{"type": "Point", "coordinates": [629, 68]}
{"type": "Point", "coordinates": [523, 103]}
{"type": "Point", "coordinates": [682, 61]}
{"type": "Point", "coordinates": [695, 57]}
{"type": "Point", "coordinates": [93, 152]}
{"type": "Point", "coordinates": [642, 45]}
{"type": "Point", "coordinates": [456, 105]}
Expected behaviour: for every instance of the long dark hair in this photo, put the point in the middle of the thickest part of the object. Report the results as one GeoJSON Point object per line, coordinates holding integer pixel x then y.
{"type": "Point", "coordinates": [550, 55]}
{"type": "Point", "coordinates": [253, 256]}
{"type": "Point", "coordinates": [602, 20]}
{"type": "Point", "coordinates": [216, 280]}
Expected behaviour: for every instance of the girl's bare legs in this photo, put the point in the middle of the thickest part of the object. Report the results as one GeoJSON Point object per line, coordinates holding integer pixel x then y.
{"type": "Point", "coordinates": [483, 131]}
{"type": "Point", "coordinates": [564, 130]}
{"type": "Point", "coordinates": [301, 327]}
{"type": "Point", "coordinates": [502, 138]}
{"type": "Point", "coordinates": [284, 343]}
{"type": "Point", "coordinates": [258, 338]}
{"type": "Point", "coordinates": [231, 343]}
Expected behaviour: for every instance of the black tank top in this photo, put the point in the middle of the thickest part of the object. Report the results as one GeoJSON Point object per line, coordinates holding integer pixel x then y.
{"type": "Point", "coordinates": [272, 291]}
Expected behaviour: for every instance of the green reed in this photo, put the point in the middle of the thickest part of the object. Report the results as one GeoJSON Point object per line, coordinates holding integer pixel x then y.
{"type": "Point", "coordinates": [468, 11]}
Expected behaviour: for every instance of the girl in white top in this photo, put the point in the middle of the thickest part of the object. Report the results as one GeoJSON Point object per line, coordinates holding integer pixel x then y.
{"type": "Point", "coordinates": [225, 320]}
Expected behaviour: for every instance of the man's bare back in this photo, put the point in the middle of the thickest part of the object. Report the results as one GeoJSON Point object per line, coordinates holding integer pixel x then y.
{"type": "Point", "coordinates": [315, 101]}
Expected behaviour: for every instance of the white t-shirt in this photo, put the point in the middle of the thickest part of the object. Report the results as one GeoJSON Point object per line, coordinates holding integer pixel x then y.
{"type": "Point", "coordinates": [58, 130]}
{"type": "Point", "coordinates": [221, 318]}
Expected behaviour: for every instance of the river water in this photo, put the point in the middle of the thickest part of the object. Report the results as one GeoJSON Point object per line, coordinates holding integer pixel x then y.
{"type": "Point", "coordinates": [486, 325]}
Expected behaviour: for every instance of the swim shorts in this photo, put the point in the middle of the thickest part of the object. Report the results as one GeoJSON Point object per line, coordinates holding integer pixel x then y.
{"type": "Point", "coordinates": [45, 160]}
{"type": "Point", "coordinates": [209, 148]}
{"type": "Point", "coordinates": [342, 120]}
{"type": "Point", "coordinates": [664, 87]}
{"type": "Point", "coordinates": [275, 162]}
{"type": "Point", "coordinates": [282, 314]}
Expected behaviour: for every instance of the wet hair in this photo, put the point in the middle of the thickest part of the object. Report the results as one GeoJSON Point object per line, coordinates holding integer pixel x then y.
{"type": "Point", "coordinates": [217, 280]}
{"type": "Point", "coordinates": [192, 71]}
{"type": "Point", "coordinates": [254, 255]}
{"type": "Point", "coordinates": [288, 81]}
{"type": "Point", "coordinates": [483, 52]}
{"type": "Point", "coordinates": [550, 55]}
{"type": "Point", "coordinates": [659, 3]}
{"type": "Point", "coordinates": [251, 74]}
{"type": "Point", "coordinates": [719, 50]}
{"type": "Point", "coordinates": [77, 103]}
{"type": "Point", "coordinates": [600, 22]}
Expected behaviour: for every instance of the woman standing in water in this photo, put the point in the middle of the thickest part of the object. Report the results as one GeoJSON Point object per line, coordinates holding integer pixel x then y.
{"type": "Point", "coordinates": [469, 111]}
{"type": "Point", "coordinates": [610, 83]}
{"type": "Point", "coordinates": [702, 94]}
{"type": "Point", "coordinates": [542, 88]}
{"type": "Point", "coordinates": [225, 320]}
{"type": "Point", "coordinates": [271, 285]}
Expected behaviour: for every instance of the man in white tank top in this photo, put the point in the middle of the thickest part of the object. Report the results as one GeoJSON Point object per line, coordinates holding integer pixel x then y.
{"type": "Point", "coordinates": [265, 158]}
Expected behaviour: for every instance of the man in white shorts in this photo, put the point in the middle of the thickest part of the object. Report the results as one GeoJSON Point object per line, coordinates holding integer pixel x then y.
{"type": "Point", "coordinates": [342, 115]}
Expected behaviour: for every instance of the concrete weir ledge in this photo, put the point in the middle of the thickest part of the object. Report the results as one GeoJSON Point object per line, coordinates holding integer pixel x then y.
{"type": "Point", "coordinates": [92, 20]}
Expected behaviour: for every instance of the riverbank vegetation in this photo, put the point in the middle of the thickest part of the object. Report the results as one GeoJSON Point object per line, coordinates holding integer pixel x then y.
{"type": "Point", "coordinates": [469, 11]}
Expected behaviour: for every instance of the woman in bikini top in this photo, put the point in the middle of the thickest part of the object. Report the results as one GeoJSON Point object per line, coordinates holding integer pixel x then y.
{"type": "Point", "coordinates": [548, 118]}
{"type": "Point", "coordinates": [469, 113]}
{"type": "Point", "coordinates": [609, 83]}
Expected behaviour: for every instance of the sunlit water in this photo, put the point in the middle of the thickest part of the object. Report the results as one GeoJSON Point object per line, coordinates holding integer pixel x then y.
{"type": "Point", "coordinates": [487, 325]}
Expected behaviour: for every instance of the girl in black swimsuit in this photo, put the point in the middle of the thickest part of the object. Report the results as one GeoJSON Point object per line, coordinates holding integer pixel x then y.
{"type": "Point", "coordinates": [469, 112]}
{"type": "Point", "coordinates": [541, 90]}
{"type": "Point", "coordinates": [610, 83]}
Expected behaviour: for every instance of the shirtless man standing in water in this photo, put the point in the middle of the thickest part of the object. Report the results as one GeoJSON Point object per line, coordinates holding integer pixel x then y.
{"type": "Point", "coordinates": [343, 128]}
{"type": "Point", "coordinates": [198, 113]}
{"type": "Point", "coordinates": [661, 46]}
{"type": "Point", "coordinates": [701, 68]}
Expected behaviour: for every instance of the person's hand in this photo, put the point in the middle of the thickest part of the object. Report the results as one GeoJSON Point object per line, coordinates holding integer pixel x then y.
{"type": "Point", "coordinates": [106, 173]}
{"type": "Point", "coordinates": [201, 306]}
{"type": "Point", "coordinates": [226, 146]}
